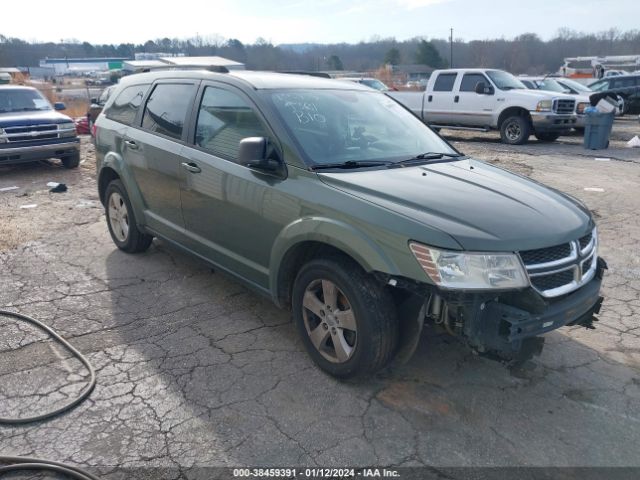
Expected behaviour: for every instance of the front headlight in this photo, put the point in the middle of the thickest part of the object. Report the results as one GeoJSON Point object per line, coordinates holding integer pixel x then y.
{"type": "Point", "coordinates": [581, 107]}
{"type": "Point", "coordinates": [67, 129]}
{"type": "Point", "coordinates": [470, 271]}
{"type": "Point", "coordinates": [544, 106]}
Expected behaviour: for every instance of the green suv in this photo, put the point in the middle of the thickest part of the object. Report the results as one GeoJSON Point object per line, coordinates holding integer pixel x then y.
{"type": "Point", "coordinates": [335, 201]}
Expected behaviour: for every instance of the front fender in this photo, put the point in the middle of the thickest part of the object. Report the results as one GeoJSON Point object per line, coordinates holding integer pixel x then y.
{"type": "Point", "coordinates": [355, 243]}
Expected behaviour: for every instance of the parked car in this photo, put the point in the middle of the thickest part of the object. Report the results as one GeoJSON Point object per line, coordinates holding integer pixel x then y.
{"type": "Point", "coordinates": [30, 129]}
{"type": "Point", "coordinates": [486, 99]}
{"type": "Point", "coordinates": [367, 81]}
{"type": "Point", "coordinates": [627, 90]}
{"type": "Point", "coordinates": [97, 104]}
{"type": "Point", "coordinates": [553, 85]}
{"type": "Point", "coordinates": [335, 201]}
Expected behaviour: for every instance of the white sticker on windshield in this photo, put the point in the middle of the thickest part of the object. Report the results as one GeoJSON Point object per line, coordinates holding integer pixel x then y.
{"type": "Point", "coordinates": [40, 103]}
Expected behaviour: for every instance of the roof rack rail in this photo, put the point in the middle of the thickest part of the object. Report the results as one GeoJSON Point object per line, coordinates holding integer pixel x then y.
{"type": "Point", "coordinates": [210, 68]}
{"type": "Point", "coordinates": [311, 74]}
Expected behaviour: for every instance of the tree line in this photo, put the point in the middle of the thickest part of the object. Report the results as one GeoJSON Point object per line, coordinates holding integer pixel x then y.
{"type": "Point", "coordinates": [526, 53]}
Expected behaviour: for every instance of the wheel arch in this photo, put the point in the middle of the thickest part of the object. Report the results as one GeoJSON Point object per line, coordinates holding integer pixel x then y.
{"type": "Point", "coordinates": [311, 238]}
{"type": "Point", "coordinates": [513, 111]}
{"type": "Point", "coordinates": [114, 168]}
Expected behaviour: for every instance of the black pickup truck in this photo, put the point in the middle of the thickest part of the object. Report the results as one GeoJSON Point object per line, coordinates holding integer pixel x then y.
{"type": "Point", "coordinates": [31, 129]}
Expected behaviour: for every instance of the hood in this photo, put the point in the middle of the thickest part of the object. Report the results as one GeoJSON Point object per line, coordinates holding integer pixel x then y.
{"type": "Point", "coordinates": [484, 208]}
{"type": "Point", "coordinates": [538, 94]}
{"type": "Point", "coordinates": [23, 119]}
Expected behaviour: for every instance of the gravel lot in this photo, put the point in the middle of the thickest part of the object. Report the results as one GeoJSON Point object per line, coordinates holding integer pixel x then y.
{"type": "Point", "coordinates": [194, 370]}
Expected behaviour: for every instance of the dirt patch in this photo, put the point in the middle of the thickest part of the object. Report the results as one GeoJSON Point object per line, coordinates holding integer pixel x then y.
{"type": "Point", "coordinates": [22, 222]}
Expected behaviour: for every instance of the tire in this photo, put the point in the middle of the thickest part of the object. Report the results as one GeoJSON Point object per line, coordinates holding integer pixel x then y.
{"type": "Point", "coordinates": [72, 161]}
{"type": "Point", "coordinates": [369, 341]}
{"type": "Point", "coordinates": [122, 221]}
{"type": "Point", "coordinates": [580, 130]}
{"type": "Point", "coordinates": [547, 136]}
{"type": "Point", "coordinates": [515, 130]}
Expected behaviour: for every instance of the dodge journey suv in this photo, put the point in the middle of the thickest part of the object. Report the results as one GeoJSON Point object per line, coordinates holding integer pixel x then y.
{"type": "Point", "coordinates": [338, 203]}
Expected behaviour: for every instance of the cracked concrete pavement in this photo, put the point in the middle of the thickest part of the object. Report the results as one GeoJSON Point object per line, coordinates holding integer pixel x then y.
{"type": "Point", "coordinates": [195, 370]}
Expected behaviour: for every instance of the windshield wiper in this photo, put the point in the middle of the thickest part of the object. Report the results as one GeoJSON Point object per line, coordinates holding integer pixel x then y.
{"type": "Point", "coordinates": [349, 164]}
{"type": "Point", "coordinates": [424, 158]}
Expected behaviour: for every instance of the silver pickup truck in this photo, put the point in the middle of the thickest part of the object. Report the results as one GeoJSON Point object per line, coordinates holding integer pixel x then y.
{"type": "Point", "coordinates": [486, 99]}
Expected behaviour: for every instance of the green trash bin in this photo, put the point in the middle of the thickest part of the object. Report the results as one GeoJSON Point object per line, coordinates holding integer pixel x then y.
{"type": "Point", "coordinates": [597, 129]}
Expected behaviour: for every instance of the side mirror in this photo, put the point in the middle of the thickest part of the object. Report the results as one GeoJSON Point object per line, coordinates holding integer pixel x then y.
{"type": "Point", "coordinates": [59, 106]}
{"type": "Point", "coordinates": [484, 89]}
{"type": "Point", "coordinates": [258, 154]}
{"type": "Point", "coordinates": [93, 100]}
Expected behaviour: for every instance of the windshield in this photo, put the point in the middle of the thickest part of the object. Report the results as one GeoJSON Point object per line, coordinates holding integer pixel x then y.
{"type": "Point", "coordinates": [22, 100]}
{"type": "Point", "coordinates": [551, 85]}
{"type": "Point", "coordinates": [335, 126]}
{"type": "Point", "coordinates": [374, 83]}
{"type": "Point", "coordinates": [504, 80]}
{"type": "Point", "coordinates": [577, 86]}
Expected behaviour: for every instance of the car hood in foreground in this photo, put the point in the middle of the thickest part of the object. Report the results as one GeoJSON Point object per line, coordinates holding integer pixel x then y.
{"type": "Point", "coordinates": [35, 117]}
{"type": "Point", "coordinates": [484, 208]}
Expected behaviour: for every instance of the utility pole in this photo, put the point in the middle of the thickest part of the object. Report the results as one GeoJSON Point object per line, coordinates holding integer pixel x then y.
{"type": "Point", "coordinates": [451, 50]}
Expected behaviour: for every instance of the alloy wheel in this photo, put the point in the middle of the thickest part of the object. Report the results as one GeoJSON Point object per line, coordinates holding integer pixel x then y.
{"type": "Point", "coordinates": [118, 217]}
{"type": "Point", "coordinates": [329, 321]}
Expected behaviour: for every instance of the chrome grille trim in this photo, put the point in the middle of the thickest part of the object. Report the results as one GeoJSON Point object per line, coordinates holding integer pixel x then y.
{"type": "Point", "coordinates": [26, 133]}
{"type": "Point", "coordinates": [564, 106]}
{"type": "Point", "coordinates": [582, 262]}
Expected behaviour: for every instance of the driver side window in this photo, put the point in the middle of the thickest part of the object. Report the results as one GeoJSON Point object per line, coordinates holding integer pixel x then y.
{"type": "Point", "coordinates": [225, 118]}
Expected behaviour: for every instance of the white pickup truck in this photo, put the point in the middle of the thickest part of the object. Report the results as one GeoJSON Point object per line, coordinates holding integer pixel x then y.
{"type": "Point", "coordinates": [486, 99]}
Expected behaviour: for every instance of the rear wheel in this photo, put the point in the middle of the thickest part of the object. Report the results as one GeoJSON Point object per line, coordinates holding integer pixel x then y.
{"type": "Point", "coordinates": [346, 319]}
{"type": "Point", "coordinates": [515, 130]}
{"type": "Point", "coordinates": [72, 161]}
{"type": "Point", "coordinates": [122, 222]}
{"type": "Point", "coordinates": [547, 136]}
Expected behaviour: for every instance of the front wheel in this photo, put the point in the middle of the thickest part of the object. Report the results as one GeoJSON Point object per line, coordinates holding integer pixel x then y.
{"type": "Point", "coordinates": [122, 221]}
{"type": "Point", "coordinates": [515, 130]}
{"type": "Point", "coordinates": [72, 161]}
{"type": "Point", "coordinates": [346, 319]}
{"type": "Point", "coordinates": [547, 136]}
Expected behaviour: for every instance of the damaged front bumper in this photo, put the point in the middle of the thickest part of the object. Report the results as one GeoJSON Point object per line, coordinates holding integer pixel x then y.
{"type": "Point", "coordinates": [506, 325]}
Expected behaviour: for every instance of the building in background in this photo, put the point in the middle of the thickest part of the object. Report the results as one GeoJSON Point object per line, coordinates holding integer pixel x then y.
{"type": "Point", "coordinates": [138, 65]}
{"type": "Point", "coordinates": [69, 66]}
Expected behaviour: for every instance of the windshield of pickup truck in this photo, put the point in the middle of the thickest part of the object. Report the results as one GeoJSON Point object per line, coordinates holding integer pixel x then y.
{"type": "Point", "coordinates": [336, 126]}
{"type": "Point", "coordinates": [22, 100]}
{"type": "Point", "coordinates": [505, 81]}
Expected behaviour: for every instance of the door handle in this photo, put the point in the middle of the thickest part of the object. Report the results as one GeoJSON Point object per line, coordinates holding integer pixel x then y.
{"type": "Point", "coordinates": [191, 167]}
{"type": "Point", "coordinates": [131, 144]}
{"type": "Point", "coordinates": [430, 98]}
{"type": "Point", "coordinates": [456, 98]}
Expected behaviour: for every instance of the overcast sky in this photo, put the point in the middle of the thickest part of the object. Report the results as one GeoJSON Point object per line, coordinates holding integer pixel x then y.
{"type": "Point", "coordinates": [297, 21]}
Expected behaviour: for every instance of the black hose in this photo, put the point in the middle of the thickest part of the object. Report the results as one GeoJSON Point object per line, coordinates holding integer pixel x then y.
{"type": "Point", "coordinates": [27, 463]}
{"type": "Point", "coordinates": [87, 391]}
{"type": "Point", "coordinates": [13, 464]}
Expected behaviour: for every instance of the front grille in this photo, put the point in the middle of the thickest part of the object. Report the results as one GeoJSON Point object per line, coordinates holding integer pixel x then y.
{"type": "Point", "coordinates": [563, 106]}
{"type": "Point", "coordinates": [31, 132]}
{"type": "Point", "coordinates": [584, 241]}
{"type": "Point", "coordinates": [545, 255]}
{"type": "Point", "coordinates": [554, 280]}
{"type": "Point", "coordinates": [560, 269]}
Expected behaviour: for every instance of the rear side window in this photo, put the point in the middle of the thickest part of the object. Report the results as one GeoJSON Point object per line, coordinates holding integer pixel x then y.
{"type": "Point", "coordinates": [125, 107]}
{"type": "Point", "coordinates": [444, 82]}
{"type": "Point", "coordinates": [470, 80]}
{"type": "Point", "coordinates": [166, 109]}
{"type": "Point", "coordinates": [224, 119]}
{"type": "Point", "coordinates": [622, 82]}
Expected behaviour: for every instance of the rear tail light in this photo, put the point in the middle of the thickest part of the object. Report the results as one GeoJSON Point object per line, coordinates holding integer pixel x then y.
{"type": "Point", "coordinates": [94, 130]}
